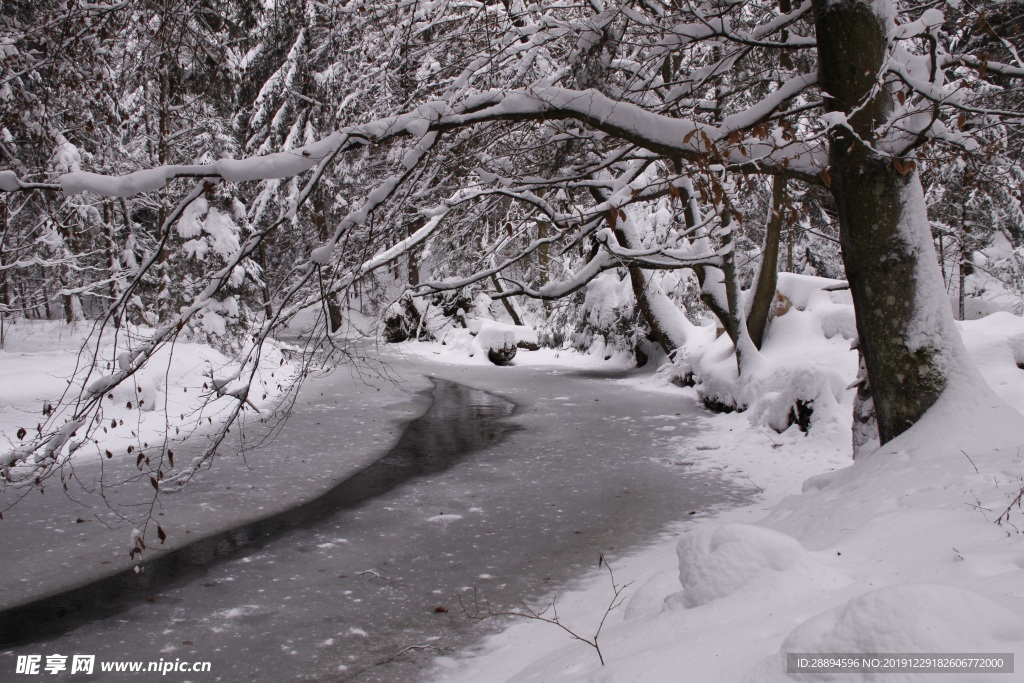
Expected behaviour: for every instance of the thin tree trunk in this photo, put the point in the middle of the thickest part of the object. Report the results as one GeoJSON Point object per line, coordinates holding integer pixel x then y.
{"type": "Point", "coordinates": [509, 308]}
{"type": "Point", "coordinates": [746, 352]}
{"type": "Point", "coordinates": [668, 324]}
{"type": "Point", "coordinates": [268, 306]}
{"type": "Point", "coordinates": [334, 319]}
{"type": "Point", "coordinates": [712, 291]}
{"type": "Point", "coordinates": [5, 277]}
{"type": "Point", "coordinates": [965, 268]}
{"type": "Point", "coordinates": [543, 257]}
{"type": "Point", "coordinates": [768, 273]}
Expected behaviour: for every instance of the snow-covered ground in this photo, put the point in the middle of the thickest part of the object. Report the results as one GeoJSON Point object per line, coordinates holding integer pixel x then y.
{"type": "Point", "coordinates": [45, 363]}
{"type": "Point", "coordinates": [900, 552]}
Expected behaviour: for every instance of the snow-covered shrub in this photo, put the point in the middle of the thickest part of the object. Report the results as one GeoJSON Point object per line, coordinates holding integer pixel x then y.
{"type": "Point", "coordinates": [609, 323]}
{"type": "Point", "coordinates": [803, 370]}
{"type": "Point", "coordinates": [402, 320]}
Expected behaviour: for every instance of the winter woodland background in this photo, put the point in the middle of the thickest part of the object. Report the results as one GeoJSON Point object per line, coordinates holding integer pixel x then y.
{"type": "Point", "coordinates": [791, 207]}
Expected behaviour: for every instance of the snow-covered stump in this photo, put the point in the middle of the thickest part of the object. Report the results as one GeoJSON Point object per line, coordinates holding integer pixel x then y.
{"type": "Point", "coordinates": [499, 341]}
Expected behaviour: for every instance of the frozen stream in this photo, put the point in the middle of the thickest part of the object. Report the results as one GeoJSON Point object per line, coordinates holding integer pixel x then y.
{"type": "Point", "coordinates": [521, 511]}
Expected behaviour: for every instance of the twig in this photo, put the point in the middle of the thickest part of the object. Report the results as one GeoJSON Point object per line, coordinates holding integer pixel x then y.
{"type": "Point", "coordinates": [761, 490]}
{"type": "Point", "coordinates": [971, 461]}
{"type": "Point", "coordinates": [1005, 516]}
{"type": "Point", "coordinates": [411, 648]}
{"type": "Point", "coordinates": [480, 613]}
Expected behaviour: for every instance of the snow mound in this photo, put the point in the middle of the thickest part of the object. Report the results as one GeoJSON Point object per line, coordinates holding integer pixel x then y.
{"type": "Point", "coordinates": [716, 561]}
{"type": "Point", "coordinates": [481, 336]}
{"type": "Point", "coordinates": [810, 291]}
{"type": "Point", "coordinates": [908, 618]}
{"type": "Point", "coordinates": [488, 331]}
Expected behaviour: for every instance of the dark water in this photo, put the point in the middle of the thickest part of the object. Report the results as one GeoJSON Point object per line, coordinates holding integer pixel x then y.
{"type": "Point", "coordinates": [459, 421]}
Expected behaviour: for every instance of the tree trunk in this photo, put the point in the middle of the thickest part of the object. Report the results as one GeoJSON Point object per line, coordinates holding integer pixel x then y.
{"type": "Point", "coordinates": [334, 319]}
{"type": "Point", "coordinates": [668, 324]}
{"type": "Point", "coordinates": [268, 306]}
{"type": "Point", "coordinates": [768, 274]}
{"type": "Point", "coordinates": [509, 307]}
{"type": "Point", "coordinates": [904, 321]}
{"type": "Point", "coordinates": [746, 352]}
{"type": "Point", "coordinates": [712, 290]}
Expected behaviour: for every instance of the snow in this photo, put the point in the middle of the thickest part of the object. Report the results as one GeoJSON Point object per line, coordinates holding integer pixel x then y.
{"type": "Point", "coordinates": [9, 181]}
{"type": "Point", "coordinates": [269, 166]}
{"type": "Point", "coordinates": [491, 335]}
{"type": "Point", "coordinates": [40, 362]}
{"type": "Point", "coordinates": [898, 552]}
{"type": "Point", "coordinates": [717, 561]}
{"type": "Point", "coordinates": [911, 618]}
{"type": "Point", "coordinates": [476, 339]}
{"type": "Point", "coordinates": [805, 358]}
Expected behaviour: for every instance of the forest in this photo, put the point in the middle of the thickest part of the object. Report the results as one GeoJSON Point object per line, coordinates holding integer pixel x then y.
{"type": "Point", "coordinates": [675, 184]}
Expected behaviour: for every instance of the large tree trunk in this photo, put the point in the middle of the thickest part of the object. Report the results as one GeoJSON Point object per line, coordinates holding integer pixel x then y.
{"type": "Point", "coordinates": [904, 320]}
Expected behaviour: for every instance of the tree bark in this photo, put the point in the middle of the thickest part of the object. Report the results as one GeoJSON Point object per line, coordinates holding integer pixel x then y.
{"type": "Point", "coordinates": [768, 274]}
{"type": "Point", "coordinates": [904, 321]}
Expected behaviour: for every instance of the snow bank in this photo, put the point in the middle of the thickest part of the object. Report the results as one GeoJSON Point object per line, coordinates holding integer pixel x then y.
{"type": "Point", "coordinates": [716, 561]}
{"type": "Point", "coordinates": [41, 366]}
{"type": "Point", "coordinates": [907, 618]}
